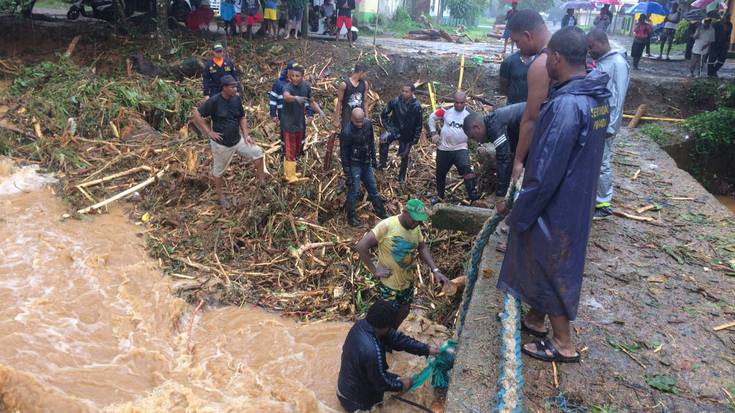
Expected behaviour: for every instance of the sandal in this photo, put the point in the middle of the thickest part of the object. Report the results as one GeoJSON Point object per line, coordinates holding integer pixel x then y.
{"type": "Point", "coordinates": [526, 329]}
{"type": "Point", "coordinates": [542, 346]}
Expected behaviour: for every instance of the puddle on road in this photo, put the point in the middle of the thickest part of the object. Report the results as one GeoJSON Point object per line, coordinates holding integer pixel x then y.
{"type": "Point", "coordinates": [89, 324]}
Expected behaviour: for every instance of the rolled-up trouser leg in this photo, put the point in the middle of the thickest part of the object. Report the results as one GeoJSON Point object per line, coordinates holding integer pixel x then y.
{"type": "Point", "coordinates": [604, 185]}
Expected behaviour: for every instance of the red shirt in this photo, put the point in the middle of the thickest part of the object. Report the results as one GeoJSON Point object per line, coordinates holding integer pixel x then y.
{"type": "Point", "coordinates": [642, 30]}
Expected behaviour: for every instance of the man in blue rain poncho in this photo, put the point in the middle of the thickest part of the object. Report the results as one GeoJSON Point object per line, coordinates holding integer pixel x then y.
{"type": "Point", "coordinates": [550, 222]}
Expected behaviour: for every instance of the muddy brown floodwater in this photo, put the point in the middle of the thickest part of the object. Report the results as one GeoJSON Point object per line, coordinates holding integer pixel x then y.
{"type": "Point", "coordinates": [89, 324]}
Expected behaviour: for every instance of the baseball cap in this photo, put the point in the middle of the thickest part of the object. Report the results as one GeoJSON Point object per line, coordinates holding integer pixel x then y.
{"type": "Point", "coordinates": [217, 47]}
{"type": "Point", "coordinates": [227, 80]}
{"type": "Point", "coordinates": [417, 210]}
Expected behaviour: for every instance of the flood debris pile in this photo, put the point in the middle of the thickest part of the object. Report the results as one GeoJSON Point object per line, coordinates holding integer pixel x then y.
{"type": "Point", "coordinates": [283, 247]}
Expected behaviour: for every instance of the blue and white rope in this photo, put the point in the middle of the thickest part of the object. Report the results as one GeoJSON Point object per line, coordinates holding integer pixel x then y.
{"type": "Point", "coordinates": [509, 398]}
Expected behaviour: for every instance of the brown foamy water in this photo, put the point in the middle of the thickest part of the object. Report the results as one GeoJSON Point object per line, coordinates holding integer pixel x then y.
{"type": "Point", "coordinates": [88, 324]}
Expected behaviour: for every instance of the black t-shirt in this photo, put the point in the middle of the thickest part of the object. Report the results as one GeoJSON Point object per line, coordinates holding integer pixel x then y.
{"type": "Point", "coordinates": [292, 119]}
{"type": "Point", "coordinates": [354, 97]}
{"type": "Point", "coordinates": [516, 73]}
{"type": "Point", "coordinates": [226, 115]}
{"type": "Point", "coordinates": [344, 7]}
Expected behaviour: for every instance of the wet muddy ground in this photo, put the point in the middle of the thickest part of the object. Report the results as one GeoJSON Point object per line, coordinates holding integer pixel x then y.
{"type": "Point", "coordinates": [653, 293]}
{"type": "Point", "coordinates": [655, 289]}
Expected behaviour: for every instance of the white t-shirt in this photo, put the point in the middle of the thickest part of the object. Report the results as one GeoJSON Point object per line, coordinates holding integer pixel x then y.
{"type": "Point", "coordinates": [703, 40]}
{"type": "Point", "coordinates": [672, 24]}
{"type": "Point", "coordinates": [452, 137]}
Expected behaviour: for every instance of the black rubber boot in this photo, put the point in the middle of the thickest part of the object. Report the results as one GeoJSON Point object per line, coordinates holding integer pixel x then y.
{"type": "Point", "coordinates": [379, 207]}
{"type": "Point", "coordinates": [404, 168]}
{"type": "Point", "coordinates": [469, 185]}
{"type": "Point", "coordinates": [383, 153]}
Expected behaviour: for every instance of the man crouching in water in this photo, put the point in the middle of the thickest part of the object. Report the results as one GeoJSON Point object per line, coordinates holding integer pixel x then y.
{"type": "Point", "coordinates": [364, 375]}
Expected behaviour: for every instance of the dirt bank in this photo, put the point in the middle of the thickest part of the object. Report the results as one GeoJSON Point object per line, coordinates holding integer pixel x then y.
{"type": "Point", "coordinates": [653, 293]}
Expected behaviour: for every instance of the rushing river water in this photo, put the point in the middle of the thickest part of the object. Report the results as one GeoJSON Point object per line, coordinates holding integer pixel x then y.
{"type": "Point", "coordinates": [89, 324]}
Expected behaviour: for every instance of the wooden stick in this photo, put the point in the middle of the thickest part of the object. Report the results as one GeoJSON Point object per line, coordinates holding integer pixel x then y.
{"type": "Point", "coordinates": [645, 208]}
{"type": "Point", "coordinates": [724, 326]}
{"type": "Point", "coordinates": [556, 374]}
{"type": "Point", "coordinates": [637, 117]}
{"type": "Point", "coordinates": [72, 45]}
{"type": "Point", "coordinates": [635, 175]}
{"type": "Point", "coordinates": [124, 193]}
{"type": "Point", "coordinates": [302, 249]}
{"type": "Point", "coordinates": [632, 356]}
{"type": "Point", "coordinates": [461, 72]}
{"type": "Point", "coordinates": [115, 176]}
{"type": "Point", "coordinates": [633, 217]}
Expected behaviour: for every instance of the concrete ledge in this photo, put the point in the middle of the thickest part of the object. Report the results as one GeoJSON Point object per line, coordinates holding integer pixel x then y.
{"type": "Point", "coordinates": [472, 384]}
{"type": "Point", "coordinates": [459, 218]}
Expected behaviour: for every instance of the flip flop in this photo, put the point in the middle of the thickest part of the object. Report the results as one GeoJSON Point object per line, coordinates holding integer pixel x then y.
{"type": "Point", "coordinates": [525, 328]}
{"type": "Point", "coordinates": [542, 346]}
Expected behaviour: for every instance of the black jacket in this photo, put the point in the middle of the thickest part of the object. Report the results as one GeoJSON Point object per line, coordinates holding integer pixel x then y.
{"type": "Point", "coordinates": [213, 74]}
{"type": "Point", "coordinates": [357, 146]}
{"type": "Point", "coordinates": [403, 119]}
{"type": "Point", "coordinates": [503, 126]}
{"type": "Point", "coordinates": [364, 375]}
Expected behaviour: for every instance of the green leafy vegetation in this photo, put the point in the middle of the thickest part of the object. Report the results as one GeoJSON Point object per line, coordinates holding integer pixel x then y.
{"type": "Point", "coordinates": [662, 382]}
{"type": "Point", "coordinates": [681, 31]}
{"type": "Point", "coordinates": [64, 90]}
{"type": "Point", "coordinates": [469, 10]}
{"type": "Point", "coordinates": [655, 132]}
{"type": "Point", "coordinates": [621, 345]}
{"type": "Point", "coordinates": [713, 130]}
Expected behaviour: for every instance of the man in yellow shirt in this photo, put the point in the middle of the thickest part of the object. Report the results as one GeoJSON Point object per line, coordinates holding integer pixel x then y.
{"type": "Point", "coordinates": [398, 238]}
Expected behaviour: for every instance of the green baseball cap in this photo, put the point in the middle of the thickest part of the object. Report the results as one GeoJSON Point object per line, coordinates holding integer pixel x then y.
{"type": "Point", "coordinates": [417, 210]}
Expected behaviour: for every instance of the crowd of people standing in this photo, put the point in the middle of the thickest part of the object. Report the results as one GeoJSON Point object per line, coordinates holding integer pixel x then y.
{"type": "Point", "coordinates": [277, 18]}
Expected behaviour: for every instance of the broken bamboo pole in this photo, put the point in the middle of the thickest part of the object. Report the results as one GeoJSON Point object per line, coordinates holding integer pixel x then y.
{"type": "Point", "coordinates": [124, 193]}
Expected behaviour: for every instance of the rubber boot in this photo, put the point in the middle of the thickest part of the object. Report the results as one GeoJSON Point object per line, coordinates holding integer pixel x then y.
{"type": "Point", "coordinates": [379, 207]}
{"type": "Point", "coordinates": [289, 171]}
{"type": "Point", "coordinates": [383, 153]}
{"type": "Point", "coordinates": [470, 186]}
{"type": "Point", "coordinates": [404, 168]}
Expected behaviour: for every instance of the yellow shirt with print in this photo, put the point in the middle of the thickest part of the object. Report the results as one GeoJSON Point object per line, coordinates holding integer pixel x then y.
{"type": "Point", "coordinates": [397, 250]}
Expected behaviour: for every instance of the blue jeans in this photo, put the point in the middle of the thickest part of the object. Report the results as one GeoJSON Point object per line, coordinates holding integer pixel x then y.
{"type": "Point", "coordinates": [363, 174]}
